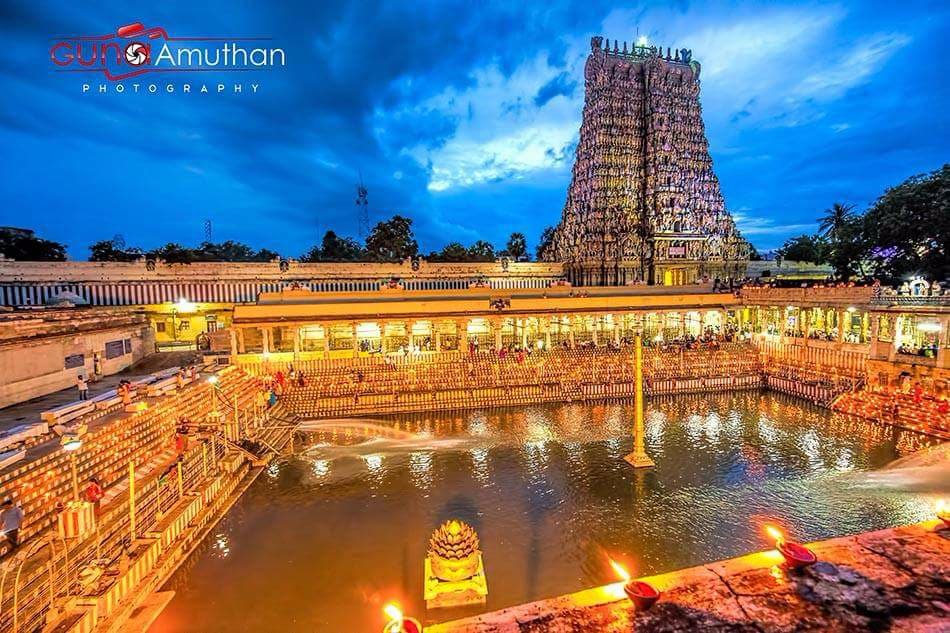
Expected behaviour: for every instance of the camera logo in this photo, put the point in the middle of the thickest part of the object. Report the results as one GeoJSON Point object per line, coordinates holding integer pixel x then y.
{"type": "Point", "coordinates": [136, 53]}
{"type": "Point", "coordinates": [134, 50]}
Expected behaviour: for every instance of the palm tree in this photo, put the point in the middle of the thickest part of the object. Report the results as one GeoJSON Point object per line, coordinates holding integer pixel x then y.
{"type": "Point", "coordinates": [835, 219]}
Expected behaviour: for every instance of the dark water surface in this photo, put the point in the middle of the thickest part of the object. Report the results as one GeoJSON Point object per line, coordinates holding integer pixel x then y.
{"type": "Point", "coordinates": [326, 536]}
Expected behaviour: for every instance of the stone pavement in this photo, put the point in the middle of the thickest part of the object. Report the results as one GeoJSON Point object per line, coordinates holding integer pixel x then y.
{"type": "Point", "coordinates": [29, 411]}
{"type": "Point", "coordinates": [889, 580]}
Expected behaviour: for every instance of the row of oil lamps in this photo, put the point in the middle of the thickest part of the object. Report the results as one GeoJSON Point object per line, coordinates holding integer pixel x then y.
{"type": "Point", "coordinates": [642, 594]}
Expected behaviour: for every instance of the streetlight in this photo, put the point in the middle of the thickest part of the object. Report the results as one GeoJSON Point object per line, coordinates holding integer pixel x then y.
{"type": "Point", "coordinates": [213, 381]}
{"type": "Point", "coordinates": [71, 444]}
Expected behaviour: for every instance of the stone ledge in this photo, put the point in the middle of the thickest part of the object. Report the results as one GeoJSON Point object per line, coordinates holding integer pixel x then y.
{"type": "Point", "coordinates": [897, 579]}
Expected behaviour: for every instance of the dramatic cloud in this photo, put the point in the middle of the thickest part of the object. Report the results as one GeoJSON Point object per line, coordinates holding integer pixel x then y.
{"type": "Point", "coordinates": [464, 119]}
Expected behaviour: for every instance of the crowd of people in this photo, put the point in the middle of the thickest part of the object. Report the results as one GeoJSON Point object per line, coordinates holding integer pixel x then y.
{"type": "Point", "coordinates": [770, 282]}
{"type": "Point", "coordinates": [319, 386]}
{"type": "Point", "coordinates": [927, 349]}
{"type": "Point", "coordinates": [909, 404]}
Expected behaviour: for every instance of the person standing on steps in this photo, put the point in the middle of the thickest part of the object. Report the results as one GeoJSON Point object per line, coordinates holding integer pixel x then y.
{"type": "Point", "coordinates": [94, 493]}
{"type": "Point", "coordinates": [11, 518]}
{"type": "Point", "coordinates": [83, 386]}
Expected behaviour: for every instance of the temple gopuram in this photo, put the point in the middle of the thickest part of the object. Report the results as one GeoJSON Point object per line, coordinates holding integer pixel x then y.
{"type": "Point", "coordinates": [644, 205]}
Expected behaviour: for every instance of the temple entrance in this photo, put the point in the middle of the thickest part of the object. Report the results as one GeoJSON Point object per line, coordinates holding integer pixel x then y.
{"type": "Point", "coordinates": [675, 277]}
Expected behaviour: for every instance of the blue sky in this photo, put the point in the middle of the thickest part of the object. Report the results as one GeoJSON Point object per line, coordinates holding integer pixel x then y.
{"type": "Point", "coordinates": [462, 115]}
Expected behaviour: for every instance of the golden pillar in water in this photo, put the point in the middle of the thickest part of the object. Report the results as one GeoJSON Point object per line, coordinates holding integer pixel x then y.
{"type": "Point", "coordinates": [638, 458]}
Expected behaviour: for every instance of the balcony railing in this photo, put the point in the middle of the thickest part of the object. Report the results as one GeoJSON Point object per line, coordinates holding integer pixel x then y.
{"type": "Point", "coordinates": [777, 296]}
{"type": "Point", "coordinates": [911, 300]}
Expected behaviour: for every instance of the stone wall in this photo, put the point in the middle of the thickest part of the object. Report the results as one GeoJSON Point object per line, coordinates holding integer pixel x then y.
{"type": "Point", "coordinates": [41, 353]}
{"type": "Point", "coordinates": [889, 580]}
{"type": "Point", "coordinates": [151, 283]}
{"type": "Point", "coordinates": [785, 269]}
{"type": "Point", "coordinates": [71, 272]}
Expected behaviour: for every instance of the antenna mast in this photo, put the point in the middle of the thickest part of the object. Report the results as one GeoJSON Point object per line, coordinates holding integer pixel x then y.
{"type": "Point", "coordinates": [362, 210]}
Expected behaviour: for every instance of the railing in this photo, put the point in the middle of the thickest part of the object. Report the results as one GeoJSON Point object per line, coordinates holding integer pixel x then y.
{"type": "Point", "coordinates": [47, 578]}
{"type": "Point", "coordinates": [51, 565]}
{"type": "Point", "coordinates": [817, 357]}
{"type": "Point", "coordinates": [911, 300]}
{"type": "Point", "coordinates": [778, 296]}
{"type": "Point", "coordinates": [916, 359]}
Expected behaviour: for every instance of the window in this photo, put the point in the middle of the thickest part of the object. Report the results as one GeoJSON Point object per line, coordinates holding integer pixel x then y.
{"type": "Point", "coordinates": [114, 349]}
{"type": "Point", "coordinates": [160, 327]}
{"type": "Point", "coordinates": [75, 360]}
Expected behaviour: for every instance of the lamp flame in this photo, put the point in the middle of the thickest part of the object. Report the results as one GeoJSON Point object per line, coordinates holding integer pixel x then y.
{"type": "Point", "coordinates": [940, 506]}
{"type": "Point", "coordinates": [393, 612]}
{"type": "Point", "coordinates": [775, 533]}
{"type": "Point", "coordinates": [620, 570]}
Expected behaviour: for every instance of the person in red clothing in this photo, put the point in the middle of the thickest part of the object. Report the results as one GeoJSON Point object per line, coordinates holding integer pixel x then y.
{"type": "Point", "coordinates": [94, 493]}
{"type": "Point", "coordinates": [181, 441]}
{"type": "Point", "coordinates": [943, 407]}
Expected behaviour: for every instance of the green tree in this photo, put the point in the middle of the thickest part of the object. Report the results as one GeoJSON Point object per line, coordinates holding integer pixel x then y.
{"type": "Point", "coordinates": [23, 245]}
{"type": "Point", "coordinates": [265, 255]}
{"type": "Point", "coordinates": [109, 251]}
{"type": "Point", "coordinates": [544, 244]}
{"type": "Point", "coordinates": [804, 248]}
{"type": "Point", "coordinates": [313, 255]}
{"type": "Point", "coordinates": [231, 251]}
{"type": "Point", "coordinates": [228, 251]}
{"type": "Point", "coordinates": [754, 254]}
{"type": "Point", "coordinates": [849, 248]}
{"type": "Point", "coordinates": [174, 253]}
{"type": "Point", "coordinates": [451, 252]}
{"type": "Point", "coordinates": [392, 241]}
{"type": "Point", "coordinates": [517, 247]}
{"type": "Point", "coordinates": [836, 220]}
{"type": "Point", "coordinates": [907, 230]}
{"type": "Point", "coordinates": [334, 248]}
{"type": "Point", "coordinates": [481, 251]}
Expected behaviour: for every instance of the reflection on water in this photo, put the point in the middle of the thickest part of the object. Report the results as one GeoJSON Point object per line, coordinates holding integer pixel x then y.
{"type": "Point", "coordinates": [330, 533]}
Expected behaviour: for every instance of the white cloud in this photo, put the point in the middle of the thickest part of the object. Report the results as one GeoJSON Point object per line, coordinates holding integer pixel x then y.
{"type": "Point", "coordinates": [753, 225]}
{"type": "Point", "coordinates": [774, 67]}
{"type": "Point", "coordinates": [851, 69]}
{"type": "Point", "coordinates": [500, 132]}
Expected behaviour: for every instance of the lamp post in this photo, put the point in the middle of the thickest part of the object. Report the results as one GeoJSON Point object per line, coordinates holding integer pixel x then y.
{"type": "Point", "coordinates": [71, 444]}
{"type": "Point", "coordinates": [213, 381]}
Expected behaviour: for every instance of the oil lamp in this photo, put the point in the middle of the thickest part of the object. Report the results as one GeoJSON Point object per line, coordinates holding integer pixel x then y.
{"type": "Point", "coordinates": [398, 623]}
{"type": "Point", "coordinates": [642, 594]}
{"type": "Point", "coordinates": [942, 512]}
{"type": "Point", "coordinates": [795, 554]}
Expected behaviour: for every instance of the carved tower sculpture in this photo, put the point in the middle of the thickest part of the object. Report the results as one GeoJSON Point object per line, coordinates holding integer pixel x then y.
{"type": "Point", "coordinates": [644, 204]}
